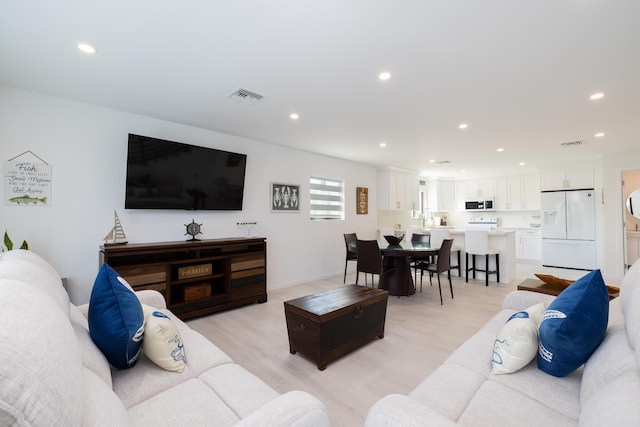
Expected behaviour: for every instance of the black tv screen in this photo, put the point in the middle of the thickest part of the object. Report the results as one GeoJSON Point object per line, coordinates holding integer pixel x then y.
{"type": "Point", "coordinates": [171, 175]}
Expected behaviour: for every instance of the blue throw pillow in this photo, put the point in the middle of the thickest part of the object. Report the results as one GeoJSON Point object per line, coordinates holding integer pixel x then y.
{"type": "Point", "coordinates": [116, 320]}
{"type": "Point", "coordinates": [574, 325]}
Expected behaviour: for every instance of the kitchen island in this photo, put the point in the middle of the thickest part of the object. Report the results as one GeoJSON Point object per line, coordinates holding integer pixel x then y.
{"type": "Point", "coordinates": [502, 240]}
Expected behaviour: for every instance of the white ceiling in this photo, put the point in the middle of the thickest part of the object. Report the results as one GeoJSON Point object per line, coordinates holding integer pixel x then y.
{"type": "Point", "coordinates": [518, 72]}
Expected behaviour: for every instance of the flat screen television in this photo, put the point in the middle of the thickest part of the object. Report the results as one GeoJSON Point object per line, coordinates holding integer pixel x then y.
{"type": "Point", "coordinates": [171, 175]}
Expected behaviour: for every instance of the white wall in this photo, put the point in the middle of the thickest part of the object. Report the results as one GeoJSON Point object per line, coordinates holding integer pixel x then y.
{"type": "Point", "coordinates": [86, 146]}
{"type": "Point", "coordinates": [613, 166]}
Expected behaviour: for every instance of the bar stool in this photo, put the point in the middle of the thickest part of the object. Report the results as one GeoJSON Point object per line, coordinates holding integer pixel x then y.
{"type": "Point", "coordinates": [438, 235]}
{"type": "Point", "coordinates": [476, 242]}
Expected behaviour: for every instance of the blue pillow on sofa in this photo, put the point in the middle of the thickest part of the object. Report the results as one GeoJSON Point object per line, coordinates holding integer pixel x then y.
{"type": "Point", "coordinates": [574, 325]}
{"type": "Point", "coordinates": [116, 320]}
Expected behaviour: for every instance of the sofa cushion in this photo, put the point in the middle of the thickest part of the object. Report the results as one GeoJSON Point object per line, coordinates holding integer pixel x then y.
{"type": "Point", "coordinates": [30, 267]}
{"type": "Point", "coordinates": [186, 404]}
{"type": "Point", "coordinates": [517, 342]}
{"type": "Point", "coordinates": [497, 405]}
{"type": "Point", "coordinates": [116, 320]}
{"type": "Point", "coordinates": [102, 408]}
{"type": "Point", "coordinates": [630, 296]}
{"type": "Point", "coordinates": [92, 357]}
{"type": "Point", "coordinates": [162, 342]}
{"type": "Point", "coordinates": [41, 368]}
{"type": "Point", "coordinates": [573, 326]}
{"type": "Point", "coordinates": [611, 375]}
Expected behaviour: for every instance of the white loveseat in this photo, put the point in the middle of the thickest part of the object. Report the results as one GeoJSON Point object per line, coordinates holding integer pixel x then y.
{"type": "Point", "coordinates": [52, 374]}
{"type": "Point", "coordinates": [605, 391]}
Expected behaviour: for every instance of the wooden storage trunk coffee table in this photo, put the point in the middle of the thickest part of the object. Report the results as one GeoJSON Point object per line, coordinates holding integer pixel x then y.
{"type": "Point", "coordinates": [327, 325]}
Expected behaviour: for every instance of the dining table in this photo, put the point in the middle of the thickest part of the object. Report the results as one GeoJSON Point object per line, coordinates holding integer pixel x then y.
{"type": "Point", "coordinates": [397, 258]}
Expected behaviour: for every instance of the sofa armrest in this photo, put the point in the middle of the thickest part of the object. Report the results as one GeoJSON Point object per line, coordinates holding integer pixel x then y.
{"type": "Point", "coordinates": [152, 298]}
{"type": "Point", "coordinates": [295, 408]}
{"type": "Point", "coordinates": [396, 410]}
{"type": "Point", "coordinates": [520, 300]}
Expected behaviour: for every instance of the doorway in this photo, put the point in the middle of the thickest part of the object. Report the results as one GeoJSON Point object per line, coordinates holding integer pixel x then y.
{"type": "Point", "coordinates": [631, 216]}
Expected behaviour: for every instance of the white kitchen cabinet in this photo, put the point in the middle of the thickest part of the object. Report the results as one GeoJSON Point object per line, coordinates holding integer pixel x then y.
{"type": "Point", "coordinates": [567, 179]}
{"type": "Point", "coordinates": [461, 194]}
{"type": "Point", "coordinates": [397, 190]}
{"type": "Point", "coordinates": [633, 249]}
{"type": "Point", "coordinates": [520, 192]}
{"type": "Point", "coordinates": [479, 189]}
{"type": "Point", "coordinates": [529, 245]}
{"type": "Point", "coordinates": [531, 192]}
{"type": "Point", "coordinates": [441, 195]}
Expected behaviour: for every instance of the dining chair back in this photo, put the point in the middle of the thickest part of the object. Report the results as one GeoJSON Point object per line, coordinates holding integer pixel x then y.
{"type": "Point", "coordinates": [476, 243]}
{"type": "Point", "coordinates": [423, 239]}
{"type": "Point", "coordinates": [369, 260]}
{"type": "Point", "coordinates": [410, 232]}
{"type": "Point", "coordinates": [440, 234]}
{"type": "Point", "coordinates": [418, 263]}
{"type": "Point", "coordinates": [351, 253]}
{"type": "Point", "coordinates": [442, 264]}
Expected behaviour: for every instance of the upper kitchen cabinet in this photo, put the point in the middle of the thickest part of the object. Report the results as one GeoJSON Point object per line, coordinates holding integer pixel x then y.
{"type": "Point", "coordinates": [520, 192]}
{"type": "Point", "coordinates": [441, 195]}
{"type": "Point", "coordinates": [480, 189]}
{"type": "Point", "coordinates": [397, 190]}
{"type": "Point", "coordinates": [567, 179]}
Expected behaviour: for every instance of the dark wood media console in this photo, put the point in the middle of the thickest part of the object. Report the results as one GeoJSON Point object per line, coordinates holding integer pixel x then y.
{"type": "Point", "coordinates": [196, 277]}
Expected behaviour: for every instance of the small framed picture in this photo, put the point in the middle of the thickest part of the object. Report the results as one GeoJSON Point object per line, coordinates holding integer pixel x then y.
{"type": "Point", "coordinates": [285, 197]}
{"type": "Point", "coordinates": [362, 200]}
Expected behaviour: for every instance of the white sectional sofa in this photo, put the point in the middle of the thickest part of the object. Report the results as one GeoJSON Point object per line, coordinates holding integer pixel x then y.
{"type": "Point", "coordinates": [52, 374]}
{"type": "Point", "coordinates": [605, 391]}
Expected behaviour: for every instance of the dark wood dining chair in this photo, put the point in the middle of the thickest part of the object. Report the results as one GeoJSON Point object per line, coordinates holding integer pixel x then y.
{"type": "Point", "coordinates": [352, 254]}
{"type": "Point", "coordinates": [370, 261]}
{"type": "Point", "coordinates": [417, 262]}
{"type": "Point", "coordinates": [442, 264]}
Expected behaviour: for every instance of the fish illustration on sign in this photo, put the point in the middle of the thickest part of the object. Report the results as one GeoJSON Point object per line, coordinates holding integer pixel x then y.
{"type": "Point", "coordinates": [26, 200]}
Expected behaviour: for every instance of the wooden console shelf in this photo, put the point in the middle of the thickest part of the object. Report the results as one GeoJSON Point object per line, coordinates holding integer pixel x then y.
{"type": "Point", "coordinates": [196, 277]}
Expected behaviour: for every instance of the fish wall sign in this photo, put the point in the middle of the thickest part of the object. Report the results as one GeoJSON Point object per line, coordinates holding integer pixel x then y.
{"type": "Point", "coordinates": [26, 183]}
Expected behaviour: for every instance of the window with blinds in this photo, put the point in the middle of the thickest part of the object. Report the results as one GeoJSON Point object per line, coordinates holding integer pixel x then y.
{"type": "Point", "coordinates": [327, 198]}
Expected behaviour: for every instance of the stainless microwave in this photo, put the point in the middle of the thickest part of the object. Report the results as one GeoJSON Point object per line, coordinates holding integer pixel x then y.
{"type": "Point", "coordinates": [478, 205]}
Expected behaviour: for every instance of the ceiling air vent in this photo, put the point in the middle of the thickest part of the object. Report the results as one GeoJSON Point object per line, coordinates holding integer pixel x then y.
{"type": "Point", "coordinates": [442, 162]}
{"type": "Point", "coordinates": [571, 143]}
{"type": "Point", "coordinates": [246, 96]}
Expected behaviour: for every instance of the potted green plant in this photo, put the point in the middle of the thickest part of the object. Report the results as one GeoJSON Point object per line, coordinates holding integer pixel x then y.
{"type": "Point", "coordinates": [8, 243]}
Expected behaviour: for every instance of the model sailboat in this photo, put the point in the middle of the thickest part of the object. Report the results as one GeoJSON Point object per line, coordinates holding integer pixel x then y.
{"type": "Point", "coordinates": [116, 236]}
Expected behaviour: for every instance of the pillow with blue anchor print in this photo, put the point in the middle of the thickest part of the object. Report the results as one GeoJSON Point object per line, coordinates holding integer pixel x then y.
{"type": "Point", "coordinates": [517, 342]}
{"type": "Point", "coordinates": [162, 342]}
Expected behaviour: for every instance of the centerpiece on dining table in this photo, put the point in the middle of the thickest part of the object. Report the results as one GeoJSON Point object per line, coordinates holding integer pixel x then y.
{"type": "Point", "coordinates": [394, 239]}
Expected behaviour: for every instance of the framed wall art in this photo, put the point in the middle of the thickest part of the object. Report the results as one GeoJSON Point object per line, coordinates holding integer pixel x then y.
{"type": "Point", "coordinates": [362, 200]}
{"type": "Point", "coordinates": [285, 197]}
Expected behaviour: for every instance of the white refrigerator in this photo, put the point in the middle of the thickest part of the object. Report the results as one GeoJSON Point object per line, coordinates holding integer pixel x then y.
{"type": "Point", "coordinates": [568, 229]}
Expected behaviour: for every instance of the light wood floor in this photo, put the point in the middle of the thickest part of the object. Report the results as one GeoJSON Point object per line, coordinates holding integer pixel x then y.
{"type": "Point", "coordinates": [419, 335]}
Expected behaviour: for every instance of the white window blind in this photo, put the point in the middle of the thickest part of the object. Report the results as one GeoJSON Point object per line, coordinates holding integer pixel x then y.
{"type": "Point", "coordinates": [327, 198]}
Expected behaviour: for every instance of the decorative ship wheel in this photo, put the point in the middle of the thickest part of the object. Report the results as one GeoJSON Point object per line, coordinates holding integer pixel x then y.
{"type": "Point", "coordinates": [193, 229]}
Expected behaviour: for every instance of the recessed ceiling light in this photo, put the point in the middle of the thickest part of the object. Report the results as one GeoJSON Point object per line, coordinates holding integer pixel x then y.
{"type": "Point", "coordinates": [599, 135]}
{"type": "Point", "coordinates": [384, 75]}
{"type": "Point", "coordinates": [500, 150]}
{"type": "Point", "coordinates": [463, 126]}
{"type": "Point", "coordinates": [432, 161]}
{"type": "Point", "coordinates": [383, 144]}
{"type": "Point", "coordinates": [596, 96]}
{"type": "Point", "coordinates": [294, 116]}
{"type": "Point", "coordinates": [86, 48]}
{"type": "Point", "coordinates": [522, 163]}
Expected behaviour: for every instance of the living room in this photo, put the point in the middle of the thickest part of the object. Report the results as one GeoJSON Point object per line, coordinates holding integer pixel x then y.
{"type": "Point", "coordinates": [85, 145]}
